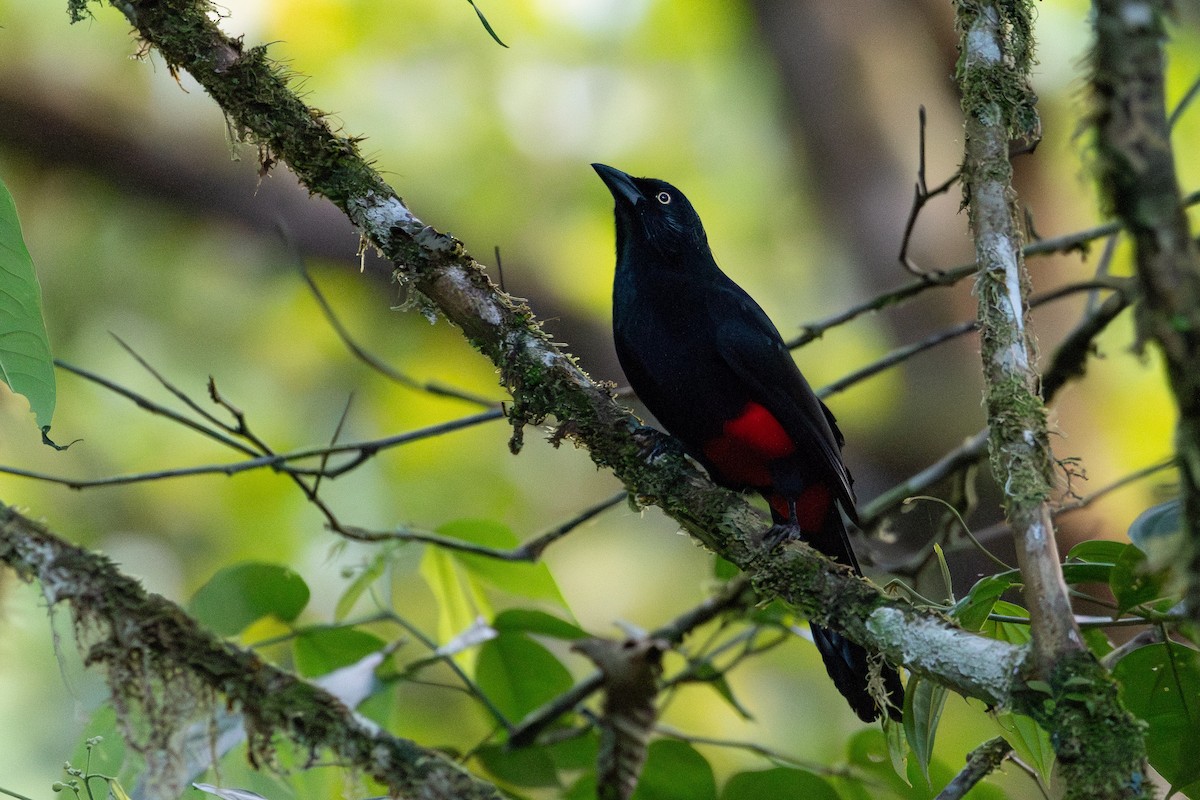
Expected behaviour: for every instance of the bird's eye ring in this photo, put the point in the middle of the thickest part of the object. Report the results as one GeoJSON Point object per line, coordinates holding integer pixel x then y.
{"type": "Point", "coordinates": [663, 197]}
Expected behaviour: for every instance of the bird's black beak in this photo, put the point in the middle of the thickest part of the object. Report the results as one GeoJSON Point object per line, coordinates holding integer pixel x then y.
{"type": "Point", "coordinates": [621, 185]}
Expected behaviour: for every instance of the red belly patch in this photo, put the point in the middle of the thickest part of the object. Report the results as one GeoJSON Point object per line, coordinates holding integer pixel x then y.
{"type": "Point", "coordinates": [748, 443]}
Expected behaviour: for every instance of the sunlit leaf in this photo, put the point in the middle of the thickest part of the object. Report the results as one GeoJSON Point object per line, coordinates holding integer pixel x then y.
{"type": "Point", "coordinates": [923, 704]}
{"type": "Point", "coordinates": [459, 602]}
{"type": "Point", "coordinates": [26, 365]}
{"type": "Point", "coordinates": [778, 782]}
{"type": "Point", "coordinates": [1161, 684]}
{"type": "Point", "coordinates": [518, 674]}
{"type": "Point", "coordinates": [239, 595]}
{"type": "Point", "coordinates": [675, 771]}
{"type": "Point", "coordinates": [520, 578]}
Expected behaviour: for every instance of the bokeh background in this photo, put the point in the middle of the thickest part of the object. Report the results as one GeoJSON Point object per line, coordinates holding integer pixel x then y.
{"type": "Point", "coordinates": [792, 127]}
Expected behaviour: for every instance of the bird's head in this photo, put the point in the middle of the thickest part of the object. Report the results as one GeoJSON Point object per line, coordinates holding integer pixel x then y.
{"type": "Point", "coordinates": [653, 214]}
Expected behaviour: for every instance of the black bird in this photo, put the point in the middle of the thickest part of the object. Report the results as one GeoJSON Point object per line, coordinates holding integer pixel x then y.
{"type": "Point", "coordinates": [706, 360]}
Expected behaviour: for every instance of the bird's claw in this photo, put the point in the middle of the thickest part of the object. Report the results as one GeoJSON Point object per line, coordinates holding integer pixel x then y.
{"type": "Point", "coordinates": [778, 534]}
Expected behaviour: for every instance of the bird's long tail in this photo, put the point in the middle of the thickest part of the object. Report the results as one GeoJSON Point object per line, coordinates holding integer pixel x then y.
{"type": "Point", "coordinates": [848, 664]}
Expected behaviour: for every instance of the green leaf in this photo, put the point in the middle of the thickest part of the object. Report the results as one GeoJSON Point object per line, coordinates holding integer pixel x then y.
{"type": "Point", "coordinates": [319, 651]}
{"type": "Point", "coordinates": [518, 674]}
{"type": "Point", "coordinates": [528, 620]}
{"type": "Point", "coordinates": [778, 782]}
{"type": "Point", "coordinates": [1133, 582]}
{"type": "Point", "coordinates": [1158, 524]}
{"type": "Point", "coordinates": [486, 25]}
{"type": "Point", "coordinates": [370, 573]}
{"type": "Point", "coordinates": [1011, 632]}
{"type": "Point", "coordinates": [459, 600]}
{"type": "Point", "coordinates": [245, 593]}
{"type": "Point", "coordinates": [972, 610]}
{"type": "Point", "coordinates": [26, 365]}
{"type": "Point", "coordinates": [1161, 684]}
{"type": "Point", "coordinates": [1097, 551]}
{"type": "Point", "coordinates": [675, 771]}
{"type": "Point", "coordinates": [1029, 741]}
{"type": "Point", "coordinates": [528, 766]}
{"type": "Point", "coordinates": [526, 580]}
{"type": "Point", "coordinates": [923, 704]}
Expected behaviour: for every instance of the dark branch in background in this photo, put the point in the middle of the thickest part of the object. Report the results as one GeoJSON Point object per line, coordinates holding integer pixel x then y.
{"type": "Point", "coordinates": [1137, 175]}
{"type": "Point", "coordinates": [157, 653]}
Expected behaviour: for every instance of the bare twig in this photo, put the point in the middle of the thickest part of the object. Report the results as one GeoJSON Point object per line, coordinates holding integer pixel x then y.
{"type": "Point", "coordinates": [529, 551]}
{"type": "Point", "coordinates": [921, 195]}
{"type": "Point", "coordinates": [378, 364]}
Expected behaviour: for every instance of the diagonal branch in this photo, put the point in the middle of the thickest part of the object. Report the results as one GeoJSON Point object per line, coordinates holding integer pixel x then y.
{"type": "Point", "coordinates": [153, 652]}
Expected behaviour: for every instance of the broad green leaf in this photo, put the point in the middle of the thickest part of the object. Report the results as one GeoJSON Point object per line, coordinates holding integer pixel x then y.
{"type": "Point", "coordinates": [527, 580]}
{"type": "Point", "coordinates": [1097, 551]}
{"type": "Point", "coordinates": [675, 771]}
{"type": "Point", "coordinates": [1161, 684]}
{"type": "Point", "coordinates": [244, 593]}
{"type": "Point", "coordinates": [724, 570]}
{"type": "Point", "coordinates": [777, 782]}
{"type": "Point", "coordinates": [319, 651]}
{"type": "Point", "coordinates": [923, 704]}
{"type": "Point", "coordinates": [575, 752]}
{"type": "Point", "coordinates": [528, 766]}
{"type": "Point", "coordinates": [1133, 582]}
{"type": "Point", "coordinates": [530, 620]}
{"type": "Point", "coordinates": [459, 600]}
{"type": "Point", "coordinates": [25, 361]}
{"type": "Point", "coordinates": [1011, 632]}
{"type": "Point", "coordinates": [972, 610]}
{"type": "Point", "coordinates": [518, 674]}
{"type": "Point", "coordinates": [1029, 741]}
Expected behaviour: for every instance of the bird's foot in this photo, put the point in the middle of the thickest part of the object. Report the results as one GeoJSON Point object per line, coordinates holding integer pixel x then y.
{"type": "Point", "coordinates": [778, 534]}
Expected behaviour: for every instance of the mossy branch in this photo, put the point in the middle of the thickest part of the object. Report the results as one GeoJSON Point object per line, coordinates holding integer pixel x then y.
{"type": "Point", "coordinates": [998, 107]}
{"type": "Point", "coordinates": [1137, 174]}
{"type": "Point", "coordinates": [164, 667]}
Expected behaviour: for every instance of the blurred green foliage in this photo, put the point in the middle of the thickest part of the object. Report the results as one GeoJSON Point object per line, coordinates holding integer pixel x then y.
{"type": "Point", "coordinates": [492, 144]}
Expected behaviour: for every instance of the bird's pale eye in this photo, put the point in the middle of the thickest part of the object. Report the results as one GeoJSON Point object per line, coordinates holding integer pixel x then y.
{"type": "Point", "coordinates": [663, 197]}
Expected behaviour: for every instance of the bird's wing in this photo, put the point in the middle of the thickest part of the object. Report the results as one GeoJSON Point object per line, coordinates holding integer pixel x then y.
{"type": "Point", "coordinates": [753, 349]}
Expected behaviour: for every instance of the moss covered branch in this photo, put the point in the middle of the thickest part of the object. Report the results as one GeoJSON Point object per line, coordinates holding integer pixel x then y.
{"type": "Point", "coordinates": [168, 670]}
{"type": "Point", "coordinates": [1137, 173]}
{"type": "Point", "coordinates": [998, 107]}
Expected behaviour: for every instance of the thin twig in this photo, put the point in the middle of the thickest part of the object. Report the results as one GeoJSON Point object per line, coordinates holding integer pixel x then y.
{"type": "Point", "coordinates": [526, 552]}
{"type": "Point", "coordinates": [378, 364]}
{"type": "Point", "coordinates": [921, 195]}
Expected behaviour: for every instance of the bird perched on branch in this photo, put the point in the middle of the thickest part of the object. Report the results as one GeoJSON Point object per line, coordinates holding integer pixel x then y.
{"type": "Point", "coordinates": [707, 362]}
